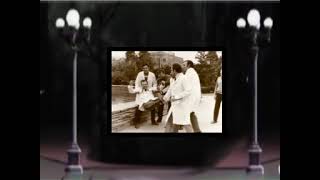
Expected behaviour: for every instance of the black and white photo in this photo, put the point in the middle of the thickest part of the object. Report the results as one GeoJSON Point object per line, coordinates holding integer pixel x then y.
{"type": "Point", "coordinates": [166, 91]}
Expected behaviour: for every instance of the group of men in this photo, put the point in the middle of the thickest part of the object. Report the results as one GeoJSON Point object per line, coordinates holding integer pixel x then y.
{"type": "Point", "coordinates": [181, 91]}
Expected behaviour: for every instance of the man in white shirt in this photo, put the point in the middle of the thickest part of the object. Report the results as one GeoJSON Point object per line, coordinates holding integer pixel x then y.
{"type": "Point", "coordinates": [150, 77]}
{"type": "Point", "coordinates": [193, 78]}
{"type": "Point", "coordinates": [145, 101]}
{"type": "Point", "coordinates": [218, 96]}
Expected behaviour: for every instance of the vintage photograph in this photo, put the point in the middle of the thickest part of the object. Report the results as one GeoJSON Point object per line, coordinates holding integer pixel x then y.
{"type": "Point", "coordinates": [166, 91]}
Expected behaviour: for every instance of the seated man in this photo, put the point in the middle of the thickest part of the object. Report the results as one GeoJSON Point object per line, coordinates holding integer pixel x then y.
{"type": "Point", "coordinates": [145, 101]}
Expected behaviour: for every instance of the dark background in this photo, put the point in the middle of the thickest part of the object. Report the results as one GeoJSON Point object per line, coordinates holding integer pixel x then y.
{"type": "Point", "coordinates": [157, 25]}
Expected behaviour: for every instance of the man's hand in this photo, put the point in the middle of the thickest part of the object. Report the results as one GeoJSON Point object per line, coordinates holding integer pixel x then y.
{"type": "Point", "coordinates": [132, 83]}
{"type": "Point", "coordinates": [162, 100]}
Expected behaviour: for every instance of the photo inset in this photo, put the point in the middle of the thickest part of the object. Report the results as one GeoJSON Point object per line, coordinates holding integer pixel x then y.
{"type": "Point", "coordinates": [167, 91]}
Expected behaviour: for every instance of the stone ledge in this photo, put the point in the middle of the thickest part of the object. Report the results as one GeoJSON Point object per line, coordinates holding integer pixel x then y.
{"type": "Point", "coordinates": [123, 114]}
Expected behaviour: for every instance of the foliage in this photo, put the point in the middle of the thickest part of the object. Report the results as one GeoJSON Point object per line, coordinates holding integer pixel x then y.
{"type": "Point", "coordinates": [124, 71]}
{"type": "Point", "coordinates": [208, 68]}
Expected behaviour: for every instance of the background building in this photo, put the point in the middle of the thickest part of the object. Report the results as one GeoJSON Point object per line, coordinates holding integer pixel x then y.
{"type": "Point", "coordinates": [161, 58]}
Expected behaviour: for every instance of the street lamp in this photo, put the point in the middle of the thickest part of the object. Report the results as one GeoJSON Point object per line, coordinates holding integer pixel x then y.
{"type": "Point", "coordinates": [73, 20]}
{"type": "Point", "coordinates": [256, 36]}
{"type": "Point", "coordinates": [60, 23]}
{"type": "Point", "coordinates": [241, 23]}
{"type": "Point", "coordinates": [254, 18]}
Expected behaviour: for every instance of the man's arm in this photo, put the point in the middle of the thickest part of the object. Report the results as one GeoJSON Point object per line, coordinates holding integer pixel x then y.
{"type": "Point", "coordinates": [133, 90]}
{"type": "Point", "coordinates": [165, 90]}
{"type": "Point", "coordinates": [167, 96]}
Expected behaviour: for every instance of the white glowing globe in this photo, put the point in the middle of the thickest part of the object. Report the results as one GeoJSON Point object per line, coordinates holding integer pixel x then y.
{"type": "Point", "coordinates": [241, 23]}
{"type": "Point", "coordinates": [268, 23]}
{"type": "Point", "coordinates": [254, 18]}
{"type": "Point", "coordinates": [87, 23]}
{"type": "Point", "coordinates": [73, 18]}
{"type": "Point", "coordinates": [60, 23]}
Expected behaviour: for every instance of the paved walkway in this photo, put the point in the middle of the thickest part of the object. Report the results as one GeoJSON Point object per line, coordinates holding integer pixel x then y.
{"type": "Point", "coordinates": [50, 170]}
{"type": "Point", "coordinates": [204, 114]}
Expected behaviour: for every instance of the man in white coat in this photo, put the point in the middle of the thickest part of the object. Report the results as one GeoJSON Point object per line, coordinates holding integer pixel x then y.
{"type": "Point", "coordinates": [193, 78]}
{"type": "Point", "coordinates": [148, 76]}
{"type": "Point", "coordinates": [179, 95]}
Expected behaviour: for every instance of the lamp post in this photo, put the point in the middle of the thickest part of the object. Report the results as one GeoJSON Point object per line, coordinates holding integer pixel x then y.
{"type": "Point", "coordinates": [256, 36]}
{"type": "Point", "coordinates": [71, 33]}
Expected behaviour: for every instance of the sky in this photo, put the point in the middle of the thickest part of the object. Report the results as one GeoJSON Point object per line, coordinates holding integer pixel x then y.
{"type": "Point", "coordinates": [186, 55]}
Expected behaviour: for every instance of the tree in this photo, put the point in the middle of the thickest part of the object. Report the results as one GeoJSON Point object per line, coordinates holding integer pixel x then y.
{"type": "Point", "coordinates": [131, 69]}
{"type": "Point", "coordinates": [215, 65]}
{"type": "Point", "coordinates": [130, 72]}
{"type": "Point", "coordinates": [131, 56]}
{"type": "Point", "coordinates": [167, 69]}
{"type": "Point", "coordinates": [208, 68]}
{"type": "Point", "coordinates": [145, 58]}
{"type": "Point", "coordinates": [116, 78]}
{"type": "Point", "coordinates": [201, 56]}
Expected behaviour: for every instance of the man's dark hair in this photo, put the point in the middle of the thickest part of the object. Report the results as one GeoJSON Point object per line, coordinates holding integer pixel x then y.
{"type": "Point", "coordinates": [161, 71]}
{"type": "Point", "coordinates": [190, 63]}
{"type": "Point", "coordinates": [145, 65]}
{"type": "Point", "coordinates": [160, 80]}
{"type": "Point", "coordinates": [177, 67]}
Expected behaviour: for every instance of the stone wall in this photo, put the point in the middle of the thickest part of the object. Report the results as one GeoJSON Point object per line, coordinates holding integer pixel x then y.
{"type": "Point", "coordinates": [122, 119]}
